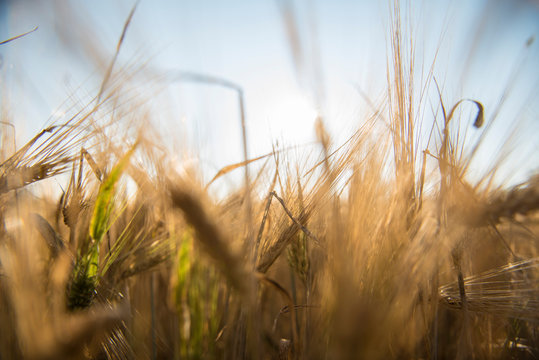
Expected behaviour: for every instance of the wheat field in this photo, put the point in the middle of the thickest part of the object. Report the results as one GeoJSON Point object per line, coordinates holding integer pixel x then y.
{"type": "Point", "coordinates": [379, 247]}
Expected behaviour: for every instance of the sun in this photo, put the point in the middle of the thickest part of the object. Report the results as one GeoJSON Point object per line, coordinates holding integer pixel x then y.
{"type": "Point", "coordinates": [289, 115]}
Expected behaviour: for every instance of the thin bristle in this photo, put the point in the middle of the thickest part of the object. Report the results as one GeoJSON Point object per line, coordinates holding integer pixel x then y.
{"type": "Point", "coordinates": [511, 290]}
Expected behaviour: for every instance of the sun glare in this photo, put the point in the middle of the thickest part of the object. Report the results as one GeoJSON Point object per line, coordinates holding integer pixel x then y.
{"type": "Point", "coordinates": [290, 116]}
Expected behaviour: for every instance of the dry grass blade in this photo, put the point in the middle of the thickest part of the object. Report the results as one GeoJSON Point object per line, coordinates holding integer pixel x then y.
{"type": "Point", "coordinates": [292, 32]}
{"type": "Point", "coordinates": [18, 36]}
{"type": "Point", "coordinates": [118, 46]}
{"type": "Point", "coordinates": [97, 171]}
{"type": "Point", "coordinates": [225, 170]}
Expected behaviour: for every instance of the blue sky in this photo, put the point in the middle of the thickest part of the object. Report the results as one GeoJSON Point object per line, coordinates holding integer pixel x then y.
{"type": "Point", "coordinates": [480, 48]}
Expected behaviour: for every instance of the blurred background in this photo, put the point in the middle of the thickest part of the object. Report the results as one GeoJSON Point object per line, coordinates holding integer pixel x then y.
{"type": "Point", "coordinates": [294, 60]}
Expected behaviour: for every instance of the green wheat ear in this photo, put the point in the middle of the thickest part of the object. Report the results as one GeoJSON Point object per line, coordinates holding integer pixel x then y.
{"type": "Point", "coordinates": [298, 257]}
{"type": "Point", "coordinates": [196, 298]}
{"type": "Point", "coordinates": [185, 253]}
{"type": "Point", "coordinates": [85, 277]}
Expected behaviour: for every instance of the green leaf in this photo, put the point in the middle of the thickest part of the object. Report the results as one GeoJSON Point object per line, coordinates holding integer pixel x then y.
{"type": "Point", "coordinates": [104, 203]}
